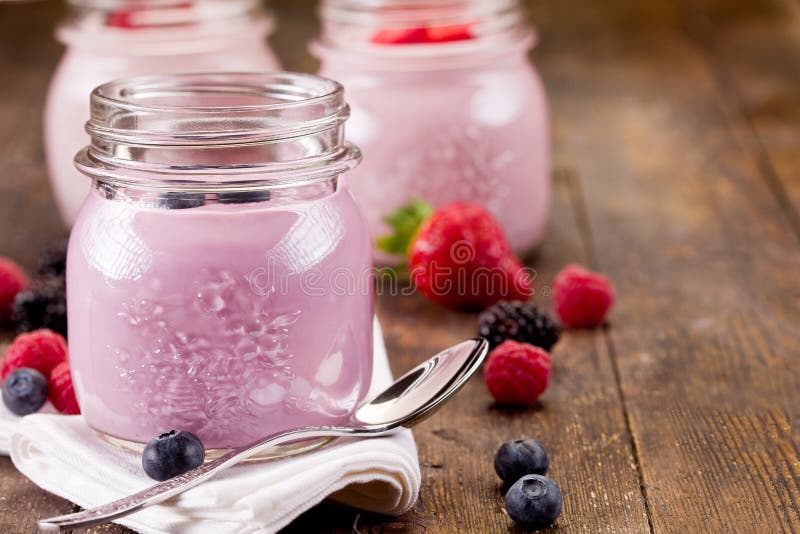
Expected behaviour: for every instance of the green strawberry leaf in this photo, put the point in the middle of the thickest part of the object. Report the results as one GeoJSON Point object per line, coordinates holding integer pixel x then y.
{"type": "Point", "coordinates": [405, 222]}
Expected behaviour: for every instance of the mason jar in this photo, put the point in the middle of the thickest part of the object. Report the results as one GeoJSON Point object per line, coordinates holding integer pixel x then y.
{"type": "Point", "coordinates": [446, 106]}
{"type": "Point", "coordinates": [219, 269]}
{"type": "Point", "coordinates": [112, 39]}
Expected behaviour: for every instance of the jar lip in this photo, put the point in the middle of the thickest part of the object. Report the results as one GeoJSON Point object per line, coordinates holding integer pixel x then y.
{"type": "Point", "coordinates": [114, 92]}
{"type": "Point", "coordinates": [217, 128]}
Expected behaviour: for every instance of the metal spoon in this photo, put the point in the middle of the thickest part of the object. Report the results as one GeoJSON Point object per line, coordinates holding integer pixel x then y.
{"type": "Point", "coordinates": [410, 399]}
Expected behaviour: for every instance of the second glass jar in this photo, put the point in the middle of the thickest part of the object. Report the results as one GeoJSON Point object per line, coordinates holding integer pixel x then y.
{"type": "Point", "coordinates": [446, 105]}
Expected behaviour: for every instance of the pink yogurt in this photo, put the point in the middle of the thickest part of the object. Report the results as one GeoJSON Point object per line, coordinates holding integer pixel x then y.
{"type": "Point", "coordinates": [231, 314]}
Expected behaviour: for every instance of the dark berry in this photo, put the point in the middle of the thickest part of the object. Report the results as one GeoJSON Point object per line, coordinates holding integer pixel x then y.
{"type": "Point", "coordinates": [43, 305]}
{"type": "Point", "coordinates": [172, 454]}
{"type": "Point", "coordinates": [177, 200]}
{"type": "Point", "coordinates": [53, 260]}
{"type": "Point", "coordinates": [25, 391]}
{"type": "Point", "coordinates": [520, 457]}
{"type": "Point", "coordinates": [519, 321]}
{"type": "Point", "coordinates": [534, 502]}
{"type": "Point", "coordinates": [242, 197]}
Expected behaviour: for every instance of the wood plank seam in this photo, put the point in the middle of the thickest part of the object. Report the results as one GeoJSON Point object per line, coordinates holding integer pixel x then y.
{"type": "Point", "coordinates": [579, 208]}
{"type": "Point", "coordinates": [699, 31]}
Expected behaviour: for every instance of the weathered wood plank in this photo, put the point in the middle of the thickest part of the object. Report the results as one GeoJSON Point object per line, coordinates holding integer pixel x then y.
{"type": "Point", "coordinates": [756, 61]}
{"type": "Point", "coordinates": [705, 262]}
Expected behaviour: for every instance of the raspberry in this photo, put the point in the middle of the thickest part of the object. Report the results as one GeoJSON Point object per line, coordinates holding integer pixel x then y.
{"type": "Point", "coordinates": [520, 321]}
{"type": "Point", "coordinates": [12, 281]}
{"type": "Point", "coordinates": [62, 394]}
{"type": "Point", "coordinates": [581, 297]}
{"type": "Point", "coordinates": [41, 350]}
{"type": "Point", "coordinates": [517, 373]}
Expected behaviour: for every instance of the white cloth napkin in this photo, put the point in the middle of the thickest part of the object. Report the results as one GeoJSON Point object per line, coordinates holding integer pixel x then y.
{"type": "Point", "coordinates": [9, 424]}
{"type": "Point", "coordinates": [63, 456]}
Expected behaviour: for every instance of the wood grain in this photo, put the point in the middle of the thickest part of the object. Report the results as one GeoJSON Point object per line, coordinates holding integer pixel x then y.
{"type": "Point", "coordinates": [687, 224]}
{"type": "Point", "coordinates": [675, 129]}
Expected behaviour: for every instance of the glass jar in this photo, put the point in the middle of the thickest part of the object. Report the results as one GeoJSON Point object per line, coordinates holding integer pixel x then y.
{"type": "Point", "coordinates": [219, 271]}
{"type": "Point", "coordinates": [111, 39]}
{"type": "Point", "coordinates": [445, 104]}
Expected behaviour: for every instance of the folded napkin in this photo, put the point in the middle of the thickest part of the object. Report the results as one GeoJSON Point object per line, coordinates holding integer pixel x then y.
{"type": "Point", "coordinates": [9, 423]}
{"type": "Point", "coordinates": [63, 456]}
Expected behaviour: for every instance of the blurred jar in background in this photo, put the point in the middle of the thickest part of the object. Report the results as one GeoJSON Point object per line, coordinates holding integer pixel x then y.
{"type": "Point", "coordinates": [445, 105]}
{"type": "Point", "coordinates": [111, 39]}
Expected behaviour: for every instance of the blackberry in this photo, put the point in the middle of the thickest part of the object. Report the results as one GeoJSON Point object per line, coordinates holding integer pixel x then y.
{"type": "Point", "coordinates": [520, 321]}
{"type": "Point", "coordinates": [53, 260]}
{"type": "Point", "coordinates": [43, 305]}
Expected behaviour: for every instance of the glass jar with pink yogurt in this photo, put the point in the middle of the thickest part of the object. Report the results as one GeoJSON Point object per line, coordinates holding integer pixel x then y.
{"type": "Point", "coordinates": [446, 106]}
{"type": "Point", "coordinates": [219, 271]}
{"type": "Point", "coordinates": [111, 39]}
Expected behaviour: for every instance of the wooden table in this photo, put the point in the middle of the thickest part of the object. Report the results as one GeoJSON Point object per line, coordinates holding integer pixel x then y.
{"type": "Point", "coordinates": [676, 144]}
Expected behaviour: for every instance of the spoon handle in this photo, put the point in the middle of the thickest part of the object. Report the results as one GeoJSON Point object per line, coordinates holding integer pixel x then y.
{"type": "Point", "coordinates": [169, 488]}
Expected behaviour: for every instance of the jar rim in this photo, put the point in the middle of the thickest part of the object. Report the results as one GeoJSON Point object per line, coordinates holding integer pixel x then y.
{"type": "Point", "coordinates": [218, 128]}
{"type": "Point", "coordinates": [118, 92]}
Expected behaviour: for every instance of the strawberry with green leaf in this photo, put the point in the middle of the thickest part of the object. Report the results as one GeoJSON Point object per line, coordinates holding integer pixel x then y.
{"type": "Point", "coordinates": [457, 255]}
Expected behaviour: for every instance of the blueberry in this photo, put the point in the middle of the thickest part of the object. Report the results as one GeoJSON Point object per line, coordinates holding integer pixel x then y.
{"type": "Point", "coordinates": [520, 457]}
{"type": "Point", "coordinates": [175, 200]}
{"type": "Point", "coordinates": [25, 391]}
{"type": "Point", "coordinates": [171, 454]}
{"type": "Point", "coordinates": [242, 197]}
{"type": "Point", "coordinates": [534, 502]}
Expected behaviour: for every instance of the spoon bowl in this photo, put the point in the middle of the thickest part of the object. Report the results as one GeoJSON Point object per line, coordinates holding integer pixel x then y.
{"type": "Point", "coordinates": [407, 401]}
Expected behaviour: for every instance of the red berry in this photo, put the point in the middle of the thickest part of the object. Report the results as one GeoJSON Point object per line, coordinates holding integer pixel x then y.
{"type": "Point", "coordinates": [582, 297]}
{"type": "Point", "coordinates": [400, 36]}
{"type": "Point", "coordinates": [62, 394]}
{"type": "Point", "coordinates": [12, 281]}
{"type": "Point", "coordinates": [460, 259]}
{"type": "Point", "coordinates": [41, 350]}
{"type": "Point", "coordinates": [446, 34]}
{"type": "Point", "coordinates": [517, 373]}
{"type": "Point", "coordinates": [121, 19]}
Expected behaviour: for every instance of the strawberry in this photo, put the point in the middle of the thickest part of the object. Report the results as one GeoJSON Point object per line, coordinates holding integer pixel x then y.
{"type": "Point", "coordinates": [400, 36]}
{"type": "Point", "coordinates": [446, 34]}
{"type": "Point", "coordinates": [433, 34]}
{"type": "Point", "coordinates": [458, 255]}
